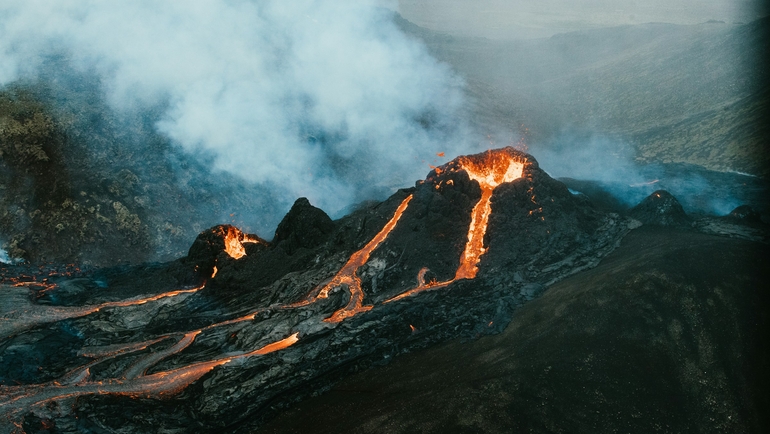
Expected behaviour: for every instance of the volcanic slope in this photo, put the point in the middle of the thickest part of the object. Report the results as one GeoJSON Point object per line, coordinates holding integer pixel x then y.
{"type": "Point", "coordinates": [242, 327]}
{"type": "Point", "coordinates": [667, 334]}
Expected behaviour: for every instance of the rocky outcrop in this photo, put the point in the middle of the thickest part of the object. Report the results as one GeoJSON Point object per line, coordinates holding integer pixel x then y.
{"type": "Point", "coordinates": [661, 209]}
{"type": "Point", "coordinates": [744, 214]}
{"type": "Point", "coordinates": [305, 226]}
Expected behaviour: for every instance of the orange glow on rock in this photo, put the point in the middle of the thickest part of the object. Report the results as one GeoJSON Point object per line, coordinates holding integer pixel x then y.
{"type": "Point", "coordinates": [233, 245]}
{"type": "Point", "coordinates": [489, 169]}
{"type": "Point", "coordinates": [347, 275]}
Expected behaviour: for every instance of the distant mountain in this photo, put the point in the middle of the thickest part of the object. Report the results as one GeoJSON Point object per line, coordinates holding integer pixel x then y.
{"type": "Point", "coordinates": [696, 94]}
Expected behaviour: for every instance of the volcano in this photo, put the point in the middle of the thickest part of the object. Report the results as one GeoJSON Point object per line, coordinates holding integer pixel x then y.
{"type": "Point", "coordinates": [242, 327]}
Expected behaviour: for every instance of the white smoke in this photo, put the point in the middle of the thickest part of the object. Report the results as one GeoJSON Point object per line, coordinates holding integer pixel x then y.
{"type": "Point", "coordinates": [6, 259]}
{"type": "Point", "coordinates": [327, 99]}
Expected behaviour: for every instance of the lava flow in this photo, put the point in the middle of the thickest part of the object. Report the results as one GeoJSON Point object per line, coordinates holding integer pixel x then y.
{"type": "Point", "coordinates": [29, 315]}
{"type": "Point", "coordinates": [234, 241]}
{"type": "Point", "coordinates": [347, 275]}
{"type": "Point", "coordinates": [489, 169]}
{"type": "Point", "coordinates": [135, 384]}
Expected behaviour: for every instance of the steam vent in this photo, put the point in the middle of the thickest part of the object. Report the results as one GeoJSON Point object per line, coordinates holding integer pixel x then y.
{"type": "Point", "coordinates": [242, 327]}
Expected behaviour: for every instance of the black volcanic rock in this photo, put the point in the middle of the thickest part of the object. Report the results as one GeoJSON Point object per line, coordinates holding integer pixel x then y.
{"type": "Point", "coordinates": [206, 247]}
{"type": "Point", "coordinates": [207, 251]}
{"type": "Point", "coordinates": [744, 214]}
{"type": "Point", "coordinates": [661, 209]}
{"type": "Point", "coordinates": [305, 226]}
{"type": "Point", "coordinates": [667, 334]}
{"type": "Point", "coordinates": [366, 265]}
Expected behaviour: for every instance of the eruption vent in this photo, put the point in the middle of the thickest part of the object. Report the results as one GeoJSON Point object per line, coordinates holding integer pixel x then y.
{"type": "Point", "coordinates": [234, 240]}
{"type": "Point", "coordinates": [489, 169]}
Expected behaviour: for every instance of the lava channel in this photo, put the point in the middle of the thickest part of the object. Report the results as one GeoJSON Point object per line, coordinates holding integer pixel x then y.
{"type": "Point", "coordinates": [347, 275]}
{"type": "Point", "coordinates": [489, 169]}
{"type": "Point", "coordinates": [17, 399]}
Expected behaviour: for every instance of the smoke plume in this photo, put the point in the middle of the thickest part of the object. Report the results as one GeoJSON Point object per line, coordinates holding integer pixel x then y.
{"type": "Point", "coordinates": [323, 99]}
{"type": "Point", "coordinates": [612, 165]}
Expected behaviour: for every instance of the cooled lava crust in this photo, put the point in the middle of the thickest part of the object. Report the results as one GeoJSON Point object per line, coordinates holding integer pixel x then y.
{"type": "Point", "coordinates": [242, 327]}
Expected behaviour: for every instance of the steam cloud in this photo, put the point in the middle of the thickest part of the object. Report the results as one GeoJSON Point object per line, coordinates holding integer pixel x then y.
{"type": "Point", "coordinates": [612, 164]}
{"type": "Point", "coordinates": [323, 99]}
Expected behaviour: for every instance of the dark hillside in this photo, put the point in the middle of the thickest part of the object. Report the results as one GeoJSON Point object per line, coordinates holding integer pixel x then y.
{"type": "Point", "coordinates": [667, 334]}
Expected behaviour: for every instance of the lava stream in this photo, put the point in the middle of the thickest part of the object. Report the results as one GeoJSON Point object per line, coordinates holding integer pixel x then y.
{"type": "Point", "coordinates": [17, 399]}
{"type": "Point", "coordinates": [234, 241]}
{"type": "Point", "coordinates": [347, 275]}
{"type": "Point", "coordinates": [490, 170]}
{"type": "Point", "coordinates": [30, 315]}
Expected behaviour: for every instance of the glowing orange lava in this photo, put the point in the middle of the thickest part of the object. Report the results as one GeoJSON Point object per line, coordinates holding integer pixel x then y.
{"type": "Point", "coordinates": [235, 239]}
{"type": "Point", "coordinates": [492, 170]}
{"type": "Point", "coordinates": [233, 245]}
{"type": "Point", "coordinates": [347, 275]}
{"type": "Point", "coordinates": [15, 400]}
{"type": "Point", "coordinates": [489, 169]}
{"type": "Point", "coordinates": [35, 314]}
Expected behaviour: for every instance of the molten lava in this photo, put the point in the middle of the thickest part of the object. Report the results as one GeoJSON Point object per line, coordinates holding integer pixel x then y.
{"type": "Point", "coordinates": [17, 399]}
{"type": "Point", "coordinates": [489, 169]}
{"type": "Point", "coordinates": [234, 241]}
{"type": "Point", "coordinates": [347, 275]}
{"type": "Point", "coordinates": [233, 245]}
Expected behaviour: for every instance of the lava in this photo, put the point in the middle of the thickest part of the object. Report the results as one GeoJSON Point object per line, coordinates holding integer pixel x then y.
{"type": "Point", "coordinates": [140, 367]}
{"type": "Point", "coordinates": [493, 169]}
{"type": "Point", "coordinates": [233, 245]}
{"type": "Point", "coordinates": [234, 241]}
{"type": "Point", "coordinates": [17, 399]}
{"type": "Point", "coordinates": [30, 315]}
{"type": "Point", "coordinates": [347, 275]}
{"type": "Point", "coordinates": [489, 169]}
